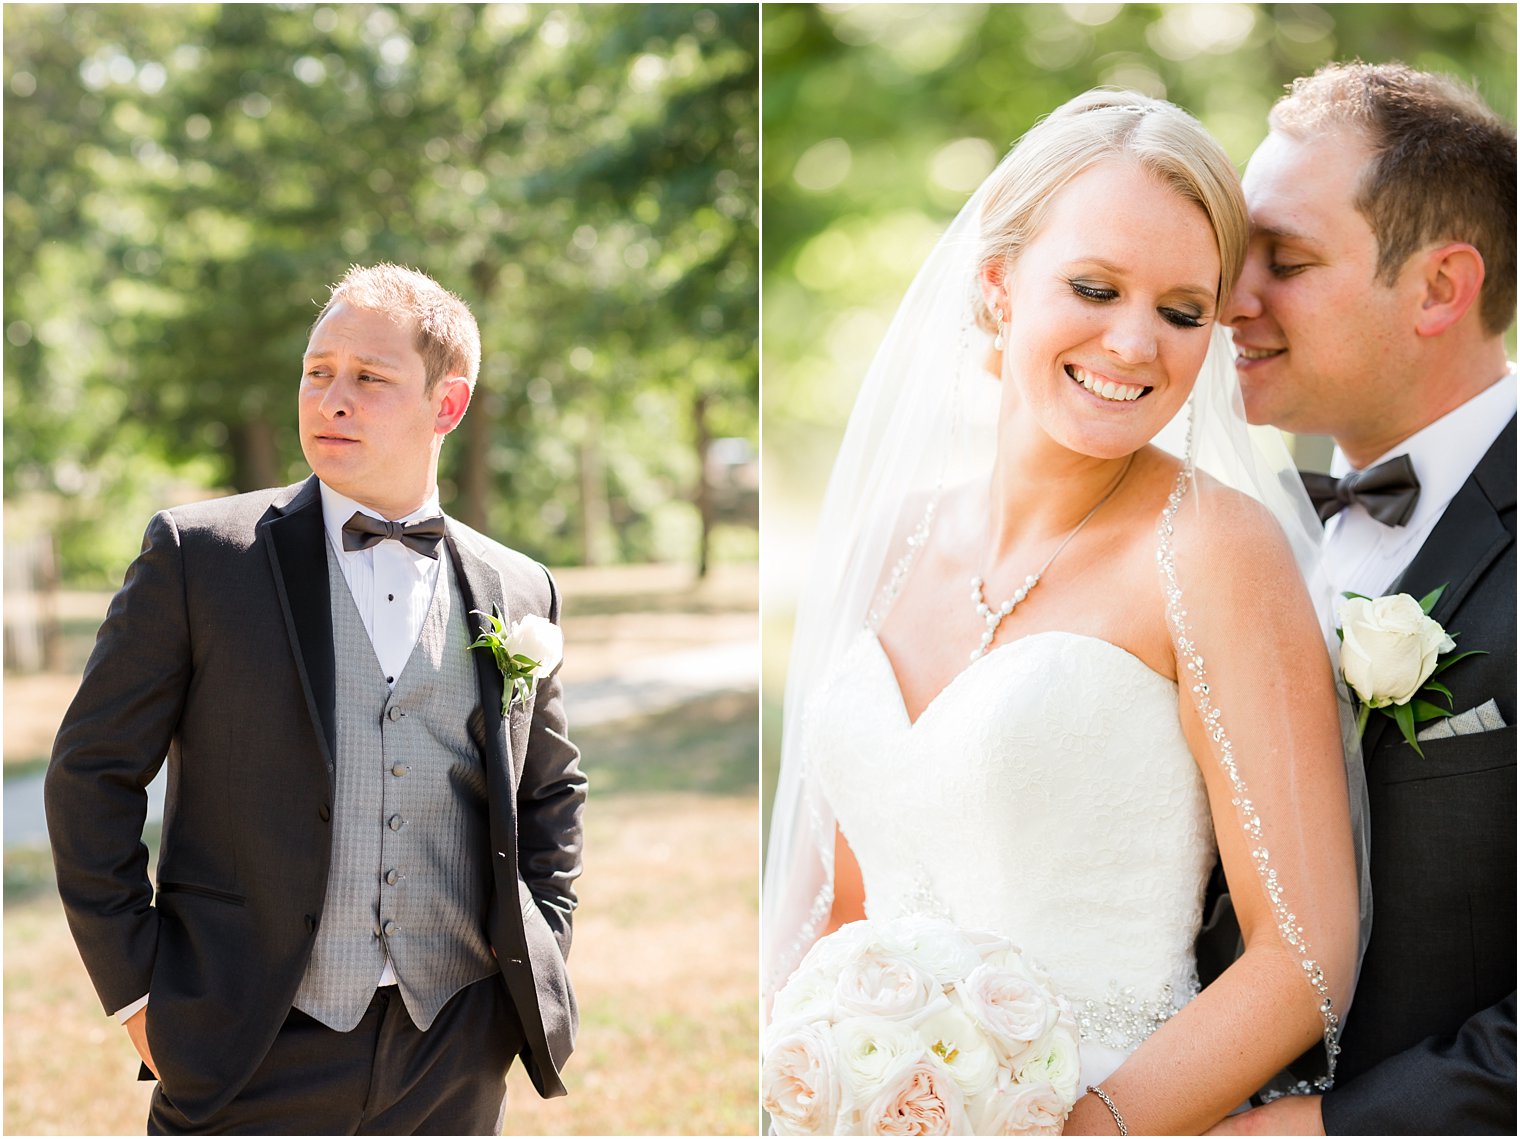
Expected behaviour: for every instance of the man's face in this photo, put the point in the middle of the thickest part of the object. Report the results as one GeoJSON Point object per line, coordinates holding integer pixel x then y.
{"type": "Point", "coordinates": [1319, 340]}
{"type": "Point", "coordinates": [367, 429]}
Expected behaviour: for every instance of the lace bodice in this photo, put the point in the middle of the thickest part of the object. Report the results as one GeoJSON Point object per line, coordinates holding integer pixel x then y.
{"type": "Point", "coordinates": [1046, 793]}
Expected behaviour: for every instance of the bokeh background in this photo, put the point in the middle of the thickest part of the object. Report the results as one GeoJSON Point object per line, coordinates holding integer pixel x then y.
{"type": "Point", "coordinates": [181, 185]}
{"type": "Point", "coordinates": [879, 121]}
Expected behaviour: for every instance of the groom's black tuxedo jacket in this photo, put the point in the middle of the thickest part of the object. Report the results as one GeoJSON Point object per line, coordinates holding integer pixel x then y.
{"type": "Point", "coordinates": [218, 653]}
{"type": "Point", "coordinates": [1429, 1041]}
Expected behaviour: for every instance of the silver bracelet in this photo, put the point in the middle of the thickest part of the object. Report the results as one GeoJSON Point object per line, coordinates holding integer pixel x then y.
{"type": "Point", "coordinates": [1103, 1095]}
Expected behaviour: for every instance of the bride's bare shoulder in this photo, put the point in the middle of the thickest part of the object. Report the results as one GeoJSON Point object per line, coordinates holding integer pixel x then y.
{"type": "Point", "coordinates": [1224, 533]}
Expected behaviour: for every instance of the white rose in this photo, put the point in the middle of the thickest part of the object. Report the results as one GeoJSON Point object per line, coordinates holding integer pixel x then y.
{"type": "Point", "coordinates": [1012, 1008]}
{"type": "Point", "coordinates": [873, 1051]}
{"type": "Point", "coordinates": [808, 996]}
{"type": "Point", "coordinates": [921, 1101]}
{"type": "Point", "coordinates": [1011, 1109]}
{"type": "Point", "coordinates": [933, 943]}
{"type": "Point", "coordinates": [799, 1080]}
{"type": "Point", "coordinates": [955, 1043]}
{"type": "Point", "coordinates": [1054, 1060]}
{"type": "Point", "coordinates": [828, 954]}
{"type": "Point", "coordinates": [1389, 648]}
{"type": "Point", "coordinates": [874, 983]}
{"type": "Point", "coordinates": [538, 639]}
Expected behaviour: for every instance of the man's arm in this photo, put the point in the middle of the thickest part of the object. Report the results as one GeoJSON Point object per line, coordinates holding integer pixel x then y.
{"type": "Point", "coordinates": [551, 795]}
{"type": "Point", "coordinates": [112, 743]}
{"type": "Point", "coordinates": [1462, 1084]}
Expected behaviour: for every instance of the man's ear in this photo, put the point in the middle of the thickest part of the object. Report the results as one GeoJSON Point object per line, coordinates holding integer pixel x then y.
{"type": "Point", "coordinates": [1452, 276]}
{"type": "Point", "coordinates": [453, 398]}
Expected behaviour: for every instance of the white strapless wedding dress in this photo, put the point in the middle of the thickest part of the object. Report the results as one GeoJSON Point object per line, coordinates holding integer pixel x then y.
{"type": "Point", "coordinates": [1047, 794]}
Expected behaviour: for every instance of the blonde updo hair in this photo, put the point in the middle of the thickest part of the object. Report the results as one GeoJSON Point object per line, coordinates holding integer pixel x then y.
{"type": "Point", "coordinates": [1096, 126]}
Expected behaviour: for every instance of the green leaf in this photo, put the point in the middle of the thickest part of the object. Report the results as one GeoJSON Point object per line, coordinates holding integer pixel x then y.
{"type": "Point", "coordinates": [1447, 662]}
{"type": "Point", "coordinates": [1437, 686]}
{"type": "Point", "coordinates": [1348, 594]}
{"type": "Point", "coordinates": [1403, 715]}
{"type": "Point", "coordinates": [1425, 711]}
{"type": "Point", "coordinates": [1428, 602]}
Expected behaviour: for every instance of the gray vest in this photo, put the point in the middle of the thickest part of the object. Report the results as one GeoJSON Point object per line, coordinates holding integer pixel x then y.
{"type": "Point", "coordinates": [410, 872]}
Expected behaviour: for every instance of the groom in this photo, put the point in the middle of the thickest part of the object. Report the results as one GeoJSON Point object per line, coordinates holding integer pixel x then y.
{"type": "Point", "coordinates": [1379, 284]}
{"type": "Point", "coordinates": [366, 872]}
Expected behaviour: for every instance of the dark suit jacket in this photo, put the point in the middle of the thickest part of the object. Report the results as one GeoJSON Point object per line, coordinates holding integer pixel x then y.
{"type": "Point", "coordinates": [218, 653]}
{"type": "Point", "coordinates": [1429, 1042]}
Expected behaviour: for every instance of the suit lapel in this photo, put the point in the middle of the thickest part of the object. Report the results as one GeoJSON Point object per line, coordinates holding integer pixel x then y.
{"type": "Point", "coordinates": [481, 588]}
{"type": "Point", "coordinates": [296, 544]}
{"type": "Point", "coordinates": [1464, 543]}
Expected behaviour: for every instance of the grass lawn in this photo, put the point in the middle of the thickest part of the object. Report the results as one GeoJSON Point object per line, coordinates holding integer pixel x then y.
{"type": "Point", "coordinates": [664, 961]}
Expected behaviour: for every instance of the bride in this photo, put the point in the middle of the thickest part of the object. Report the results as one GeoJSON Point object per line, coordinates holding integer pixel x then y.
{"type": "Point", "coordinates": [1066, 635]}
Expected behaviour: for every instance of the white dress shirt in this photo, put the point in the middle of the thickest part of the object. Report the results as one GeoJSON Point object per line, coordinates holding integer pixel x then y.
{"type": "Point", "coordinates": [1365, 556]}
{"type": "Point", "coordinates": [392, 586]}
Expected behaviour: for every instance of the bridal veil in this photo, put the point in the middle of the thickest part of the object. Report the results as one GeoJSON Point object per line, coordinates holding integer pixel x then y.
{"type": "Point", "coordinates": [924, 421]}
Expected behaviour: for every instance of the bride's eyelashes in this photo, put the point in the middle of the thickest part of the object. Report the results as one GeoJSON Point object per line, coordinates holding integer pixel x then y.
{"type": "Point", "coordinates": [1175, 316]}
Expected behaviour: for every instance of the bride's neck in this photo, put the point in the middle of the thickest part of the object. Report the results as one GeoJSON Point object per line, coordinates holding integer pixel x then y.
{"type": "Point", "coordinates": [1040, 490]}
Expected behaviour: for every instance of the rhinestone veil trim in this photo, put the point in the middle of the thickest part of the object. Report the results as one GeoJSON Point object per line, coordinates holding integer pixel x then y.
{"type": "Point", "coordinates": [1192, 661]}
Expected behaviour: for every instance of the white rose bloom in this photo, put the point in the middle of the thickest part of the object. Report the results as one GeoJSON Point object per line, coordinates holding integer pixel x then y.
{"type": "Point", "coordinates": [1010, 1007]}
{"type": "Point", "coordinates": [808, 996]}
{"type": "Point", "coordinates": [933, 943]}
{"type": "Point", "coordinates": [955, 1043]}
{"type": "Point", "coordinates": [538, 639]}
{"type": "Point", "coordinates": [1054, 1060]}
{"type": "Point", "coordinates": [872, 1052]}
{"type": "Point", "coordinates": [1389, 648]}
{"type": "Point", "coordinates": [799, 1080]}
{"type": "Point", "coordinates": [1034, 1109]}
{"type": "Point", "coordinates": [828, 954]}
{"type": "Point", "coordinates": [873, 983]}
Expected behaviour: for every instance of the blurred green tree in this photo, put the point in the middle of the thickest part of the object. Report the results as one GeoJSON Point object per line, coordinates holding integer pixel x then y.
{"type": "Point", "coordinates": [182, 182]}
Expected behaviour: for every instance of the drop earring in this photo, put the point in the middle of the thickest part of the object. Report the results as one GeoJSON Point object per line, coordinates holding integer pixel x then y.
{"type": "Point", "coordinates": [997, 342]}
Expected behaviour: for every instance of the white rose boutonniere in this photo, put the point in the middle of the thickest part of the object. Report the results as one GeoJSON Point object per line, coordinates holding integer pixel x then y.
{"type": "Point", "coordinates": [1391, 652]}
{"type": "Point", "coordinates": [531, 648]}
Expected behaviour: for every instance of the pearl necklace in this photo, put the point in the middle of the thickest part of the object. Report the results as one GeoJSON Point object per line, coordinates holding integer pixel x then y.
{"type": "Point", "coordinates": [994, 618]}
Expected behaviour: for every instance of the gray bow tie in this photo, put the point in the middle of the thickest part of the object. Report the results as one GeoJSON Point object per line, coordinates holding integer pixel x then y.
{"type": "Point", "coordinates": [1387, 491]}
{"type": "Point", "coordinates": [361, 532]}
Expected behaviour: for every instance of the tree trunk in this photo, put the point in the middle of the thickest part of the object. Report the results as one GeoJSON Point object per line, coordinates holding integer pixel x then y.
{"type": "Point", "coordinates": [704, 490]}
{"type": "Point", "coordinates": [255, 459]}
{"type": "Point", "coordinates": [596, 519]}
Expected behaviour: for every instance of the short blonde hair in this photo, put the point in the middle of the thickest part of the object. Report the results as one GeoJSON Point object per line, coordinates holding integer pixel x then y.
{"type": "Point", "coordinates": [1102, 124]}
{"type": "Point", "coordinates": [1442, 166]}
{"type": "Point", "coordinates": [448, 339]}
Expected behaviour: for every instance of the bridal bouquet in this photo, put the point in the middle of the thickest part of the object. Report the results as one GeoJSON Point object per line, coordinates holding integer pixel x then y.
{"type": "Point", "coordinates": [914, 1027]}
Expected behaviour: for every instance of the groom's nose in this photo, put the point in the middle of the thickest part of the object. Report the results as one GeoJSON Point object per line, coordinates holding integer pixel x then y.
{"type": "Point", "coordinates": [337, 400]}
{"type": "Point", "coordinates": [1245, 301]}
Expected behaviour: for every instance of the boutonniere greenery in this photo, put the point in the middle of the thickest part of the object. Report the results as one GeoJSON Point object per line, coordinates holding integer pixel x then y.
{"type": "Point", "coordinates": [1391, 653]}
{"type": "Point", "coordinates": [530, 648]}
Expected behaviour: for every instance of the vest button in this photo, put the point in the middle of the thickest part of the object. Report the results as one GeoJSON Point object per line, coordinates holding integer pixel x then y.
{"type": "Point", "coordinates": [394, 713]}
{"type": "Point", "coordinates": [324, 812]}
{"type": "Point", "coordinates": [400, 769]}
{"type": "Point", "coordinates": [395, 822]}
{"type": "Point", "coordinates": [391, 877]}
{"type": "Point", "coordinates": [391, 928]}
{"type": "Point", "coordinates": [311, 924]}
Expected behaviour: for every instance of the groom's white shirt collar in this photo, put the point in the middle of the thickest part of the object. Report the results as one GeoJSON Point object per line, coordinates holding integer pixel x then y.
{"type": "Point", "coordinates": [1365, 556]}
